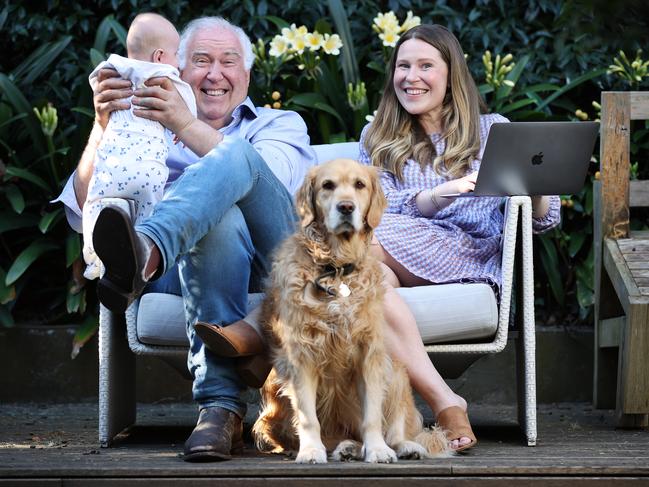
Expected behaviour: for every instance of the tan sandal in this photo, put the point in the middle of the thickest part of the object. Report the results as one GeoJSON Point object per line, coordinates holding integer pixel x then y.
{"type": "Point", "coordinates": [455, 423]}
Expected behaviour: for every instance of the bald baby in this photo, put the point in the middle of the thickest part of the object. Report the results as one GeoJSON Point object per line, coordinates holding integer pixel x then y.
{"type": "Point", "coordinates": [152, 38]}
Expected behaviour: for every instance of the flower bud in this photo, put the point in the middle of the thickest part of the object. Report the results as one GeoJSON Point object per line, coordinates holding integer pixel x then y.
{"type": "Point", "coordinates": [49, 119]}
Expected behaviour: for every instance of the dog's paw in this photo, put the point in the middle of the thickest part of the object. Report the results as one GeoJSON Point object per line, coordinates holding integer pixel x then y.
{"type": "Point", "coordinates": [411, 450]}
{"type": "Point", "coordinates": [311, 455]}
{"type": "Point", "coordinates": [379, 454]}
{"type": "Point", "coordinates": [348, 450]}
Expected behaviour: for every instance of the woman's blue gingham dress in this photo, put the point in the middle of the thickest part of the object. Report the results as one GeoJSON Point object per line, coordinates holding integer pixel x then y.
{"type": "Point", "coordinates": [461, 243]}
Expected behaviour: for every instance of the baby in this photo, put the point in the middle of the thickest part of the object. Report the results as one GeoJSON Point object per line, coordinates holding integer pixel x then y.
{"type": "Point", "coordinates": [130, 160]}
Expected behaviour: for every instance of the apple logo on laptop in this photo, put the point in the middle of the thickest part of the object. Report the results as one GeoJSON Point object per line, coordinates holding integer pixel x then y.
{"type": "Point", "coordinates": [537, 159]}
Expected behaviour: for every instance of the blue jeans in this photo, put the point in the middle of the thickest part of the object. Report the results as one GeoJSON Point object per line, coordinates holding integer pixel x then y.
{"type": "Point", "coordinates": [219, 221]}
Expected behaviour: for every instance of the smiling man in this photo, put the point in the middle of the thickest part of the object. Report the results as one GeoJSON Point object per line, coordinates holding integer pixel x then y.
{"type": "Point", "coordinates": [211, 236]}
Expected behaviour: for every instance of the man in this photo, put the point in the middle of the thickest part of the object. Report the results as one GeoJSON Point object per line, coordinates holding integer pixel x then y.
{"type": "Point", "coordinates": [218, 221]}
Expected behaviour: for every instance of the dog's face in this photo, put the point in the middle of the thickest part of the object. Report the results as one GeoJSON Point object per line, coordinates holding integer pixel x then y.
{"type": "Point", "coordinates": [343, 195]}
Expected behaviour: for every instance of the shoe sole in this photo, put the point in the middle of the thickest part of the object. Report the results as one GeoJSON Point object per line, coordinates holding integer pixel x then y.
{"type": "Point", "coordinates": [212, 456]}
{"type": "Point", "coordinates": [114, 241]}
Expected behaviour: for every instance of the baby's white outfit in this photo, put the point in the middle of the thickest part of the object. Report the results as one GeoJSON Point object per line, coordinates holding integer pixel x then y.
{"type": "Point", "coordinates": [130, 161]}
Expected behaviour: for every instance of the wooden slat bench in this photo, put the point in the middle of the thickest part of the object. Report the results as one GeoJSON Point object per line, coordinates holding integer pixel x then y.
{"type": "Point", "coordinates": [621, 372]}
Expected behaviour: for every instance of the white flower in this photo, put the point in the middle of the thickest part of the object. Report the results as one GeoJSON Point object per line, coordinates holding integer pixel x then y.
{"type": "Point", "coordinates": [389, 38]}
{"type": "Point", "coordinates": [410, 22]}
{"type": "Point", "coordinates": [278, 46]}
{"type": "Point", "coordinates": [370, 118]}
{"type": "Point", "coordinates": [386, 22]}
{"type": "Point", "coordinates": [314, 41]}
{"type": "Point", "coordinates": [332, 44]}
{"type": "Point", "coordinates": [298, 44]}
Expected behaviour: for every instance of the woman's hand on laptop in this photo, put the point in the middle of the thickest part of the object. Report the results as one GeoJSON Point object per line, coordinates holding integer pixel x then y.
{"type": "Point", "coordinates": [433, 200]}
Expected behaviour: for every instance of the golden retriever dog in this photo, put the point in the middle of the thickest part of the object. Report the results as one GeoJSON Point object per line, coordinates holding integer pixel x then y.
{"type": "Point", "coordinates": [333, 382]}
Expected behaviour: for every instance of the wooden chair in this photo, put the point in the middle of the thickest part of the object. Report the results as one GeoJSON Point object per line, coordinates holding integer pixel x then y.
{"type": "Point", "coordinates": [621, 369]}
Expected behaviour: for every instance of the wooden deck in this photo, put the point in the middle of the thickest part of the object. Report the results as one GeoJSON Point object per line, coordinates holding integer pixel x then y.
{"type": "Point", "coordinates": [57, 445]}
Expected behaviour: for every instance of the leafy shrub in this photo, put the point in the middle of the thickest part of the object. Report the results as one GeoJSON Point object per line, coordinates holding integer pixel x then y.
{"type": "Point", "coordinates": [561, 50]}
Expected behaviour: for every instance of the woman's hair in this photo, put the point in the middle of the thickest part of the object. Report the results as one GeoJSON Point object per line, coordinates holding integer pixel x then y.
{"type": "Point", "coordinates": [214, 23]}
{"type": "Point", "coordinates": [395, 136]}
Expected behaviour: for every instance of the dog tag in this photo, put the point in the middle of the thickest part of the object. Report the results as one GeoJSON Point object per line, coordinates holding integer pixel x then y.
{"type": "Point", "coordinates": [344, 290]}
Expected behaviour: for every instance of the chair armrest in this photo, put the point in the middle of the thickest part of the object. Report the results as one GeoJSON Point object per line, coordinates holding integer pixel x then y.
{"type": "Point", "coordinates": [517, 208]}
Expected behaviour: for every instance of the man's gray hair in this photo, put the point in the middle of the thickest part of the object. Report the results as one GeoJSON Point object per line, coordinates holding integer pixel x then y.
{"type": "Point", "coordinates": [214, 23]}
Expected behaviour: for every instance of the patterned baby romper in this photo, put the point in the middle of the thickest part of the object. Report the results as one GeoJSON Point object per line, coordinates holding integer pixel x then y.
{"type": "Point", "coordinates": [130, 159]}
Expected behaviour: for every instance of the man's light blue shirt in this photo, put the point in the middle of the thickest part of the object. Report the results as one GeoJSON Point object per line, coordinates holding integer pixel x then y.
{"type": "Point", "coordinates": [279, 136]}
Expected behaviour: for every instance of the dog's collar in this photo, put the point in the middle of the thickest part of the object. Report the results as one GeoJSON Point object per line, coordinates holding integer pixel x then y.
{"type": "Point", "coordinates": [331, 271]}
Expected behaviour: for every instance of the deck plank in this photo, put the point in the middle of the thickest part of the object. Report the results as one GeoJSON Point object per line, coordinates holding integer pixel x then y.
{"type": "Point", "coordinates": [47, 443]}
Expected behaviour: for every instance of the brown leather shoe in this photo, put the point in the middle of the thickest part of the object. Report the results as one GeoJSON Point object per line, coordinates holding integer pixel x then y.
{"type": "Point", "coordinates": [254, 369]}
{"type": "Point", "coordinates": [218, 434]}
{"type": "Point", "coordinates": [239, 339]}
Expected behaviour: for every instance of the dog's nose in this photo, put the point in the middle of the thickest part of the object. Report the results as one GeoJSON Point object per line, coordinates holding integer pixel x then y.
{"type": "Point", "coordinates": [345, 207]}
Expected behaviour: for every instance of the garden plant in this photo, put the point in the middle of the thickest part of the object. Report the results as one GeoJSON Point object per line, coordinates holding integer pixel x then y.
{"type": "Point", "coordinates": [536, 60]}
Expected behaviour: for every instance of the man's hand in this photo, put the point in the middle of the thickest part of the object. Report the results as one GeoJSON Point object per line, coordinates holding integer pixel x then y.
{"type": "Point", "coordinates": [110, 95]}
{"type": "Point", "coordinates": [160, 101]}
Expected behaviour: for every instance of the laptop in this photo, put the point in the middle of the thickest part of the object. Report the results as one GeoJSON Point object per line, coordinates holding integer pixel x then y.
{"type": "Point", "coordinates": [535, 158]}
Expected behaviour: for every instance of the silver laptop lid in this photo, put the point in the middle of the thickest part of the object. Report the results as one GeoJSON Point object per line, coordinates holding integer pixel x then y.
{"type": "Point", "coordinates": [536, 158]}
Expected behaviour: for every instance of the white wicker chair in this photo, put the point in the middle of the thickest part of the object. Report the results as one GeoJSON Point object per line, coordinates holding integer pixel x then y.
{"type": "Point", "coordinates": [120, 336]}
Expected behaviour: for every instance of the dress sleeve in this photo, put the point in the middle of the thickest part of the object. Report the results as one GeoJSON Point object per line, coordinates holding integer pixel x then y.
{"type": "Point", "coordinates": [401, 201]}
{"type": "Point", "coordinates": [551, 219]}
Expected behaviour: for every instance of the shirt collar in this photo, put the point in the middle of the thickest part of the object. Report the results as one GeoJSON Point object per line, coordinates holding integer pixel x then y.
{"type": "Point", "coordinates": [245, 110]}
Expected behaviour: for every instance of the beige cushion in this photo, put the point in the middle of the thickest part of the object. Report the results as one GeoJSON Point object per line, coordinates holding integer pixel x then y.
{"type": "Point", "coordinates": [444, 313]}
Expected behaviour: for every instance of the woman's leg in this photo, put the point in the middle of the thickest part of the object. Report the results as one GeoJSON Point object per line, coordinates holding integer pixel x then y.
{"type": "Point", "coordinates": [404, 344]}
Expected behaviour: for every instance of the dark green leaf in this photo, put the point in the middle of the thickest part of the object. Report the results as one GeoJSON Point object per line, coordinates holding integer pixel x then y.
{"type": "Point", "coordinates": [348, 54]}
{"type": "Point", "coordinates": [28, 176]}
{"type": "Point", "coordinates": [85, 111]}
{"type": "Point", "coordinates": [577, 81]}
{"type": "Point", "coordinates": [26, 258]}
{"type": "Point", "coordinates": [7, 293]}
{"type": "Point", "coordinates": [72, 248]}
{"type": "Point", "coordinates": [96, 58]}
{"type": "Point", "coordinates": [550, 261]}
{"type": "Point", "coordinates": [84, 333]}
{"type": "Point", "coordinates": [6, 319]}
{"type": "Point", "coordinates": [576, 242]}
{"type": "Point", "coordinates": [15, 197]}
{"type": "Point", "coordinates": [50, 218]}
{"type": "Point", "coordinates": [20, 105]}
{"type": "Point", "coordinates": [279, 23]}
{"type": "Point", "coordinates": [40, 60]}
{"type": "Point", "coordinates": [11, 221]}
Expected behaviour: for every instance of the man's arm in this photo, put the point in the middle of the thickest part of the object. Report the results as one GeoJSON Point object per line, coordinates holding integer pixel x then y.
{"type": "Point", "coordinates": [162, 102]}
{"type": "Point", "coordinates": [281, 139]}
{"type": "Point", "coordinates": [86, 165]}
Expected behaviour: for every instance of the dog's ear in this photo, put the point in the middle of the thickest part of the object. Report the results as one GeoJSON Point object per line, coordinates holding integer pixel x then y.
{"type": "Point", "coordinates": [377, 200]}
{"type": "Point", "coordinates": [305, 199]}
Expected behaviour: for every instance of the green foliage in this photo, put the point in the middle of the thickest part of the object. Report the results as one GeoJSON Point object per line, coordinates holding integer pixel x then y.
{"type": "Point", "coordinates": [561, 50]}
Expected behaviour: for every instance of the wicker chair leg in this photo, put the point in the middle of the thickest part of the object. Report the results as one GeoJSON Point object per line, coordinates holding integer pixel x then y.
{"type": "Point", "coordinates": [116, 378]}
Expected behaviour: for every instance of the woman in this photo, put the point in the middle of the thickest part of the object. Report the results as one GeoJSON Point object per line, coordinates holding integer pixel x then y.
{"type": "Point", "coordinates": [428, 137]}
